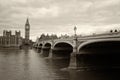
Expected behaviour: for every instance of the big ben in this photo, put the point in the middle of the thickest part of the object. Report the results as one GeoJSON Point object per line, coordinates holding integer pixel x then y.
{"type": "Point", "coordinates": [27, 31]}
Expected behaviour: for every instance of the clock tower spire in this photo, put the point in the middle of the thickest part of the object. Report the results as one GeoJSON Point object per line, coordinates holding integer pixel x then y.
{"type": "Point", "coordinates": [27, 31]}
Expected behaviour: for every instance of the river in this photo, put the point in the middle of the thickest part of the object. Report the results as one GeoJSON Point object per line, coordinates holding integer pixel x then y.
{"type": "Point", "coordinates": [27, 64]}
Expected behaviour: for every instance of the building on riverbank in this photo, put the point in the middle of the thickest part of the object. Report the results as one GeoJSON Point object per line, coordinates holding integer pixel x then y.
{"type": "Point", "coordinates": [9, 40]}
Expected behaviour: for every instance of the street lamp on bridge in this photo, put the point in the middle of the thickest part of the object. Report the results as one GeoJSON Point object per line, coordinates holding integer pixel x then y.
{"type": "Point", "coordinates": [75, 29]}
{"type": "Point", "coordinates": [75, 38]}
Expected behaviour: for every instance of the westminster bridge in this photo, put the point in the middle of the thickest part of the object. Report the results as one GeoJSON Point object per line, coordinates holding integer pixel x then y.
{"type": "Point", "coordinates": [84, 51]}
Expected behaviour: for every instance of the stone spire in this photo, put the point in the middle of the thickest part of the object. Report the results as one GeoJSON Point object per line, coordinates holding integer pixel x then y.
{"type": "Point", "coordinates": [27, 22]}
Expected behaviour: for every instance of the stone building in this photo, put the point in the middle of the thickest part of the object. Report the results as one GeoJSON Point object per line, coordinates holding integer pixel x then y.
{"type": "Point", "coordinates": [9, 40]}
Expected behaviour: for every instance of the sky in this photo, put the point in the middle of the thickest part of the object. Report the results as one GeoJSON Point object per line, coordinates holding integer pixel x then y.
{"type": "Point", "coordinates": [60, 16]}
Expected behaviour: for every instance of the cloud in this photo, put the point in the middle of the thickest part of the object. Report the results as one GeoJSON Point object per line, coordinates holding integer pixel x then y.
{"type": "Point", "coordinates": [57, 16]}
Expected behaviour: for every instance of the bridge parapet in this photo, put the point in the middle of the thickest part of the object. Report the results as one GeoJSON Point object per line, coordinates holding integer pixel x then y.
{"type": "Point", "coordinates": [81, 39]}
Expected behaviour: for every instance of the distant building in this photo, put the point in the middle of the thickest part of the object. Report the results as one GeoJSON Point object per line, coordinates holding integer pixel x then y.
{"type": "Point", "coordinates": [27, 32]}
{"type": "Point", "coordinates": [9, 40]}
{"type": "Point", "coordinates": [64, 36]}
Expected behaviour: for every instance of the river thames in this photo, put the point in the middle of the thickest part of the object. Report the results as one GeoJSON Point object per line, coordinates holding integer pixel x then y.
{"type": "Point", "coordinates": [27, 64]}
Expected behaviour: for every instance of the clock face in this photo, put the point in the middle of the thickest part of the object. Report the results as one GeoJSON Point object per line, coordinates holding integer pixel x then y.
{"type": "Point", "coordinates": [27, 27]}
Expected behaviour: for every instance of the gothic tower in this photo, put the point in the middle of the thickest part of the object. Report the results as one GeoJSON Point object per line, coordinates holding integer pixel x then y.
{"type": "Point", "coordinates": [27, 31]}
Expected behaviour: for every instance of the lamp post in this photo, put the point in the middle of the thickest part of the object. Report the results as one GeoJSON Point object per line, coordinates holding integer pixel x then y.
{"type": "Point", "coordinates": [75, 29]}
{"type": "Point", "coordinates": [75, 38]}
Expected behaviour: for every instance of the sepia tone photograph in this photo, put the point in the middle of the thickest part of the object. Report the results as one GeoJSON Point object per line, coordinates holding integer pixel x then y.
{"type": "Point", "coordinates": [59, 39]}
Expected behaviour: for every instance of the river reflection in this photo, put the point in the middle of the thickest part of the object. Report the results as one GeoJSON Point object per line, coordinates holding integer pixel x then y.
{"type": "Point", "coordinates": [27, 64]}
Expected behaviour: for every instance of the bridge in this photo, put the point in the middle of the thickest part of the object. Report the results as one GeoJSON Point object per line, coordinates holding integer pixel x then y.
{"type": "Point", "coordinates": [84, 51]}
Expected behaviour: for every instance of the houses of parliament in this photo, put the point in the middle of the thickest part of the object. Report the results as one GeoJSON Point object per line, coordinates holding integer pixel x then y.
{"type": "Point", "coordinates": [10, 40]}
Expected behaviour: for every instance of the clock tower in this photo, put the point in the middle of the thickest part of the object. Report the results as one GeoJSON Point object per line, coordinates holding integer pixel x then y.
{"type": "Point", "coordinates": [27, 31]}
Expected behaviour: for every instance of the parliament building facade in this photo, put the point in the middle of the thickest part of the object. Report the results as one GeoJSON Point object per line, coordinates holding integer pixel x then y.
{"type": "Point", "coordinates": [9, 40]}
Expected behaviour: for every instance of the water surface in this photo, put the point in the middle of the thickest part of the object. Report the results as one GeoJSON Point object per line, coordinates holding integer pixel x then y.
{"type": "Point", "coordinates": [27, 64]}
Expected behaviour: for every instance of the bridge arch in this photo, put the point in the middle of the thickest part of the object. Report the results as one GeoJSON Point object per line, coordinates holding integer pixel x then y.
{"type": "Point", "coordinates": [47, 45]}
{"type": "Point", "coordinates": [63, 44]}
{"type": "Point", "coordinates": [40, 44]}
{"type": "Point", "coordinates": [66, 42]}
{"type": "Point", "coordinates": [62, 50]}
{"type": "Point", "coordinates": [99, 44]}
{"type": "Point", "coordinates": [100, 53]}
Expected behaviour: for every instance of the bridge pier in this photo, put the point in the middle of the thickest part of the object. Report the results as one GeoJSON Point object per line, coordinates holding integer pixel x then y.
{"type": "Point", "coordinates": [73, 57]}
{"type": "Point", "coordinates": [39, 49]}
{"type": "Point", "coordinates": [73, 60]}
{"type": "Point", "coordinates": [45, 51]}
{"type": "Point", "coordinates": [50, 53]}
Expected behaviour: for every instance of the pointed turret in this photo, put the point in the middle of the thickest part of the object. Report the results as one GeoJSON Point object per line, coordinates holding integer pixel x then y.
{"type": "Point", "coordinates": [27, 22]}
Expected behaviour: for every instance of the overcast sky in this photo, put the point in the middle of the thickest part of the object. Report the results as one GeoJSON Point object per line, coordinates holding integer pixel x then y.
{"type": "Point", "coordinates": [60, 16]}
